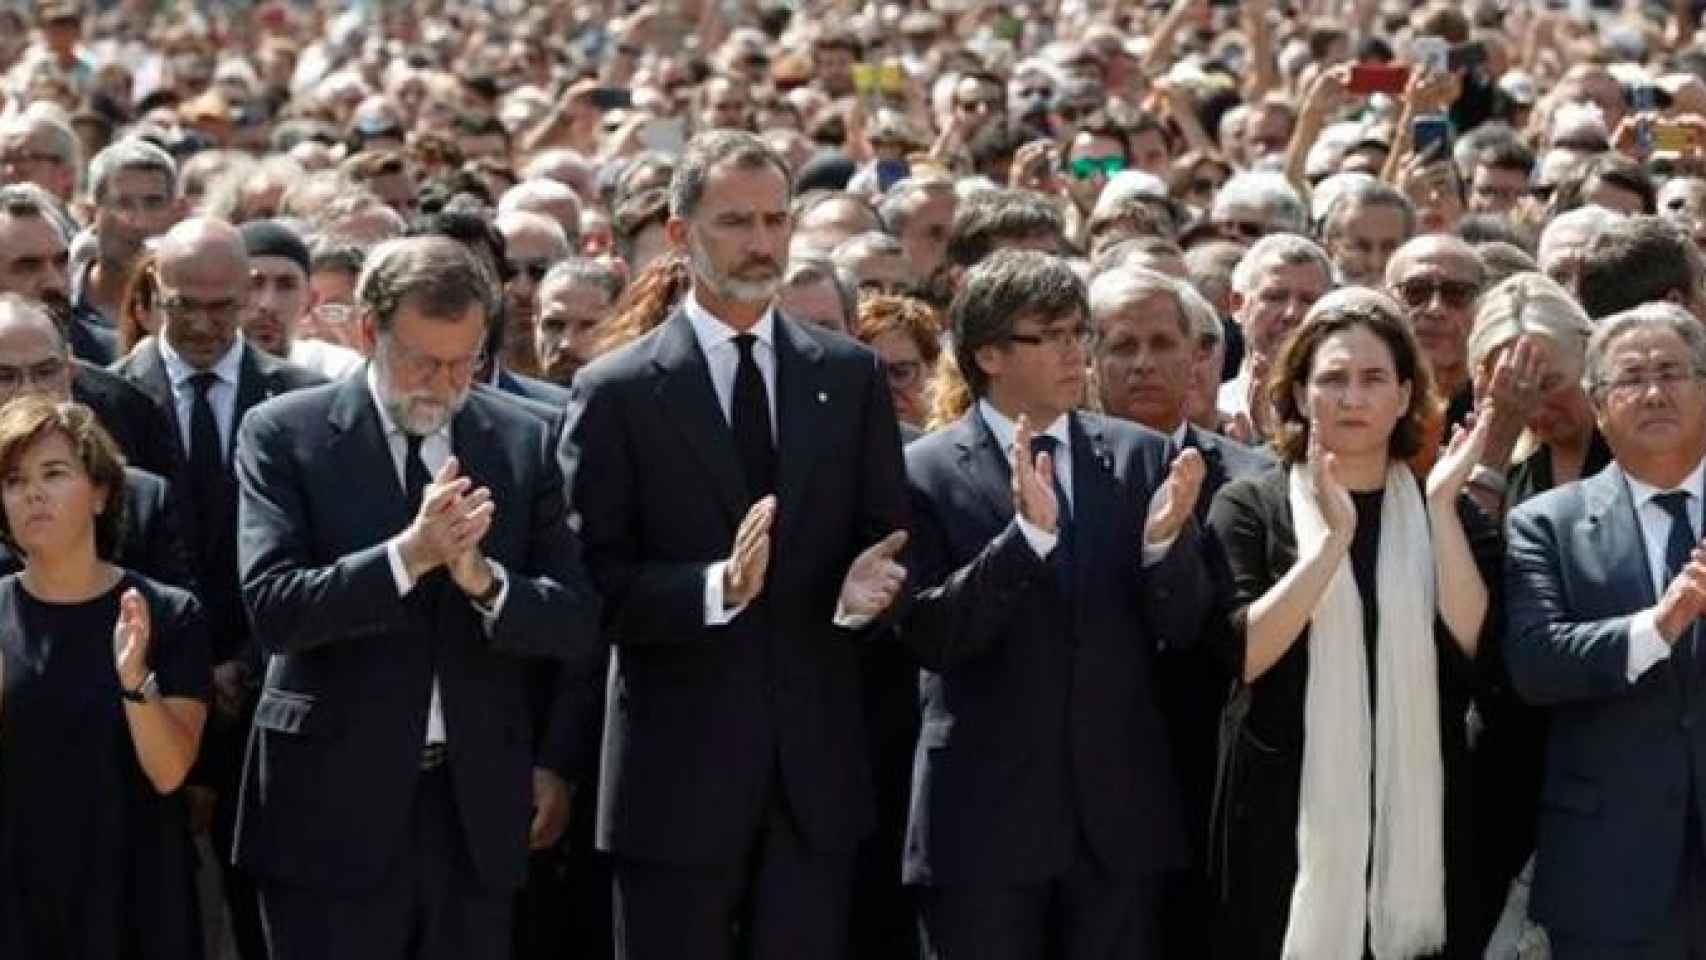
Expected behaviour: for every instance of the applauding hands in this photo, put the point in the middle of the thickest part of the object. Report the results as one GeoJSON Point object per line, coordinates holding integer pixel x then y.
{"type": "Point", "coordinates": [446, 532]}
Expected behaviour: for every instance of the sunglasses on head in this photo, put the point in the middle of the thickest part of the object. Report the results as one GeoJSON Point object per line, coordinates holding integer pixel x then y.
{"type": "Point", "coordinates": [1456, 294]}
{"type": "Point", "coordinates": [1086, 168]}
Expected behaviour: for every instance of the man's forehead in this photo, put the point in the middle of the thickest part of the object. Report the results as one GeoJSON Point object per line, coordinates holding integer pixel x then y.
{"type": "Point", "coordinates": [35, 235]}
{"type": "Point", "coordinates": [26, 339]}
{"type": "Point", "coordinates": [271, 267]}
{"type": "Point", "coordinates": [1436, 263]}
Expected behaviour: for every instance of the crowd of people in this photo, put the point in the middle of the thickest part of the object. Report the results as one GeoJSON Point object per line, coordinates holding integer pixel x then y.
{"type": "Point", "coordinates": [735, 478]}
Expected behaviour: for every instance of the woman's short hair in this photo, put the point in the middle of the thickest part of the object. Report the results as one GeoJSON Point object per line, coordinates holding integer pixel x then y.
{"type": "Point", "coordinates": [882, 313]}
{"type": "Point", "coordinates": [1334, 313]}
{"type": "Point", "coordinates": [25, 420]}
{"type": "Point", "coordinates": [1527, 303]}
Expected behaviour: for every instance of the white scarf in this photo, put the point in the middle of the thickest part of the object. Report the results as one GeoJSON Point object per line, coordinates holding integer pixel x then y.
{"type": "Point", "coordinates": [1401, 901]}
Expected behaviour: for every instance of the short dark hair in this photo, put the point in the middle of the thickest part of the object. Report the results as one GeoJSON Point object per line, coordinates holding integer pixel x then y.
{"type": "Point", "coordinates": [710, 149]}
{"type": "Point", "coordinates": [435, 273]}
{"type": "Point", "coordinates": [984, 221]}
{"type": "Point", "coordinates": [1334, 313]}
{"type": "Point", "coordinates": [27, 419]}
{"type": "Point", "coordinates": [1007, 285]}
{"type": "Point", "coordinates": [1634, 261]}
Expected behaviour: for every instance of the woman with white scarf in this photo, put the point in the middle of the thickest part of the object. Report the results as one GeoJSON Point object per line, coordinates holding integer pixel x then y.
{"type": "Point", "coordinates": [1357, 605]}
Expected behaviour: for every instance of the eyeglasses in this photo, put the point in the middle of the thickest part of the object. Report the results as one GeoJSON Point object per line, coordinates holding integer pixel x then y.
{"type": "Point", "coordinates": [179, 307]}
{"type": "Point", "coordinates": [1242, 229]}
{"type": "Point", "coordinates": [422, 367]}
{"type": "Point", "coordinates": [41, 373]}
{"type": "Point", "coordinates": [1630, 384]}
{"type": "Point", "coordinates": [536, 269]}
{"type": "Point", "coordinates": [148, 203]}
{"type": "Point", "coordinates": [1419, 292]}
{"type": "Point", "coordinates": [1088, 168]}
{"type": "Point", "coordinates": [905, 374]}
{"type": "Point", "coordinates": [982, 105]}
{"type": "Point", "coordinates": [1063, 339]}
{"type": "Point", "coordinates": [20, 159]}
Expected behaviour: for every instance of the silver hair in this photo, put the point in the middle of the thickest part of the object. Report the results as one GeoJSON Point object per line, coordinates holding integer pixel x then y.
{"type": "Point", "coordinates": [40, 116]}
{"type": "Point", "coordinates": [805, 271]}
{"type": "Point", "coordinates": [131, 153]}
{"type": "Point", "coordinates": [871, 242]}
{"type": "Point", "coordinates": [25, 199]}
{"type": "Point", "coordinates": [526, 219]}
{"type": "Point", "coordinates": [436, 274]}
{"type": "Point", "coordinates": [1647, 316]}
{"type": "Point", "coordinates": [1271, 192]}
{"type": "Point", "coordinates": [1368, 193]}
{"type": "Point", "coordinates": [897, 204]}
{"type": "Point", "coordinates": [583, 271]}
{"type": "Point", "coordinates": [1277, 250]}
{"type": "Point", "coordinates": [1587, 220]}
{"type": "Point", "coordinates": [1125, 285]}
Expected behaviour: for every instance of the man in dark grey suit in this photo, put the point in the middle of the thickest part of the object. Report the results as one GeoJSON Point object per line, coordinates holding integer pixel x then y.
{"type": "Point", "coordinates": [203, 378]}
{"type": "Point", "coordinates": [1607, 584]}
{"type": "Point", "coordinates": [1152, 332]}
{"type": "Point", "coordinates": [736, 476]}
{"type": "Point", "coordinates": [407, 561]}
{"type": "Point", "coordinates": [1054, 551]}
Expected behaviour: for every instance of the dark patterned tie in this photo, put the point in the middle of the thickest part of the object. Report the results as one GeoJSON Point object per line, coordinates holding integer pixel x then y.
{"type": "Point", "coordinates": [1678, 546]}
{"type": "Point", "coordinates": [750, 418]}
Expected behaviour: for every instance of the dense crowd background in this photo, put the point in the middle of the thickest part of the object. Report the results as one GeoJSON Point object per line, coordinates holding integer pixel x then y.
{"type": "Point", "coordinates": [1485, 215]}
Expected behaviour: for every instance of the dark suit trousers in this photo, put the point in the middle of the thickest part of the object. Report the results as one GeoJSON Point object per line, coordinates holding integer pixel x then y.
{"type": "Point", "coordinates": [430, 907]}
{"type": "Point", "coordinates": [1683, 936]}
{"type": "Point", "coordinates": [1083, 915]}
{"type": "Point", "coordinates": [784, 903]}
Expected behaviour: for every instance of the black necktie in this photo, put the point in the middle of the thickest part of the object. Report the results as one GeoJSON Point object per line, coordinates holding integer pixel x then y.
{"type": "Point", "coordinates": [415, 477]}
{"type": "Point", "coordinates": [207, 460]}
{"type": "Point", "coordinates": [750, 418]}
{"type": "Point", "coordinates": [1061, 557]}
{"type": "Point", "coordinates": [1678, 546]}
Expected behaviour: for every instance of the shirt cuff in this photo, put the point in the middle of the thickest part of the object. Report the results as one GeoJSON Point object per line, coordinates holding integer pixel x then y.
{"type": "Point", "coordinates": [1042, 542]}
{"type": "Point", "coordinates": [851, 621]}
{"type": "Point", "coordinates": [491, 613]}
{"type": "Point", "coordinates": [399, 570]}
{"type": "Point", "coordinates": [1154, 553]}
{"type": "Point", "coordinates": [715, 615]}
{"type": "Point", "coordinates": [1646, 646]}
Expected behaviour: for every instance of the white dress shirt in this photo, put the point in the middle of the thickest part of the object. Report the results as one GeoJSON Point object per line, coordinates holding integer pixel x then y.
{"type": "Point", "coordinates": [1646, 646]}
{"type": "Point", "coordinates": [1042, 541]}
{"type": "Point", "coordinates": [435, 449]}
{"type": "Point", "coordinates": [722, 358]}
{"type": "Point", "coordinates": [222, 396]}
{"type": "Point", "coordinates": [329, 360]}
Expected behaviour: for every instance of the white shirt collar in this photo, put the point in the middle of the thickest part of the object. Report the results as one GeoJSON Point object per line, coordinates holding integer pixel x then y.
{"type": "Point", "coordinates": [713, 333]}
{"type": "Point", "coordinates": [1182, 433]}
{"type": "Point", "coordinates": [1643, 493]}
{"type": "Point", "coordinates": [178, 370]}
{"type": "Point", "coordinates": [1004, 429]}
{"type": "Point", "coordinates": [390, 426]}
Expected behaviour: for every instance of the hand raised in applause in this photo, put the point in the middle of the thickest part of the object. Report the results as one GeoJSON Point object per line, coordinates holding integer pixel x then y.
{"type": "Point", "coordinates": [1033, 481]}
{"type": "Point", "coordinates": [743, 573]}
{"type": "Point", "coordinates": [875, 577]}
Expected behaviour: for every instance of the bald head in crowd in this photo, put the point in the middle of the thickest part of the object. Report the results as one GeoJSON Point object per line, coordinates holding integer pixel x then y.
{"type": "Point", "coordinates": [547, 198]}
{"type": "Point", "coordinates": [203, 271]}
{"type": "Point", "coordinates": [1436, 278]}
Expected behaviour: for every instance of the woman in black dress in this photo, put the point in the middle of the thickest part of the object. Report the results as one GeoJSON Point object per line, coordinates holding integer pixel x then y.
{"type": "Point", "coordinates": [104, 679]}
{"type": "Point", "coordinates": [1357, 603]}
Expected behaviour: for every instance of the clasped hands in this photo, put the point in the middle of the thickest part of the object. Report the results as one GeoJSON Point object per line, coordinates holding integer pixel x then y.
{"type": "Point", "coordinates": [446, 532]}
{"type": "Point", "coordinates": [872, 582]}
{"type": "Point", "coordinates": [1034, 499]}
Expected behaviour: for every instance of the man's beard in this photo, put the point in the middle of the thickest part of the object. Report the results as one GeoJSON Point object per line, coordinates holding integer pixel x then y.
{"type": "Point", "coordinates": [417, 412]}
{"type": "Point", "coordinates": [729, 287]}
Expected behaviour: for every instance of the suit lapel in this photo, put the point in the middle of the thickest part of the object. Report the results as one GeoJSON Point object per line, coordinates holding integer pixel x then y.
{"type": "Point", "coordinates": [361, 450]}
{"type": "Point", "coordinates": [254, 385]}
{"type": "Point", "coordinates": [985, 465]}
{"type": "Point", "coordinates": [148, 372]}
{"type": "Point", "coordinates": [801, 404]}
{"type": "Point", "coordinates": [690, 402]}
{"type": "Point", "coordinates": [1614, 531]}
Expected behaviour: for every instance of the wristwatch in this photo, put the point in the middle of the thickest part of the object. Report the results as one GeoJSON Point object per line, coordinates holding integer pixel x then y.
{"type": "Point", "coordinates": [485, 598]}
{"type": "Point", "coordinates": [147, 690]}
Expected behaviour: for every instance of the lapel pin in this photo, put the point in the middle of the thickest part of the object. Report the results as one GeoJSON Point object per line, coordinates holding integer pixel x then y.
{"type": "Point", "coordinates": [822, 397]}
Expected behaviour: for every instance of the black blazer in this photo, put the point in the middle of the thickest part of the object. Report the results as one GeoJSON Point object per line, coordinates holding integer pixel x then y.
{"type": "Point", "coordinates": [211, 528]}
{"type": "Point", "coordinates": [1224, 460]}
{"type": "Point", "coordinates": [90, 341]}
{"type": "Point", "coordinates": [699, 719]}
{"type": "Point", "coordinates": [1040, 722]}
{"type": "Point", "coordinates": [153, 544]}
{"type": "Point", "coordinates": [136, 423]}
{"type": "Point", "coordinates": [1623, 760]}
{"type": "Point", "coordinates": [336, 747]}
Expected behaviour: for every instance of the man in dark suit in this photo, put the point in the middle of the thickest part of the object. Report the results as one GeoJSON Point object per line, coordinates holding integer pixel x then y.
{"type": "Point", "coordinates": [1152, 332]}
{"type": "Point", "coordinates": [407, 562]}
{"type": "Point", "coordinates": [138, 425]}
{"type": "Point", "coordinates": [1607, 584]}
{"type": "Point", "coordinates": [33, 249]}
{"type": "Point", "coordinates": [736, 476]}
{"type": "Point", "coordinates": [203, 378]}
{"type": "Point", "coordinates": [1048, 567]}
{"type": "Point", "coordinates": [35, 360]}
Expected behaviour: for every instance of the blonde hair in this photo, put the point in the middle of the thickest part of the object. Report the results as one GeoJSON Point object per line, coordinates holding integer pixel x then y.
{"type": "Point", "coordinates": [1527, 303]}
